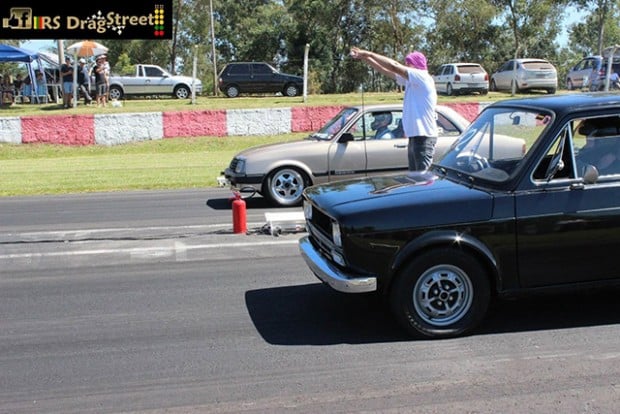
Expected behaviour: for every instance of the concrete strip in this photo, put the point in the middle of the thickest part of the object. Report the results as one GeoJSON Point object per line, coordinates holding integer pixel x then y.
{"type": "Point", "coordinates": [258, 121]}
{"type": "Point", "coordinates": [11, 130]}
{"type": "Point", "coordinates": [114, 129]}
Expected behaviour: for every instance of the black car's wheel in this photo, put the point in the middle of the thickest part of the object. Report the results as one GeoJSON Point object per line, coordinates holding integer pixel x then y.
{"type": "Point", "coordinates": [232, 91]}
{"type": "Point", "coordinates": [182, 92]}
{"type": "Point", "coordinates": [291, 90]}
{"type": "Point", "coordinates": [442, 293]}
{"type": "Point", "coordinates": [284, 187]}
{"type": "Point", "coordinates": [116, 93]}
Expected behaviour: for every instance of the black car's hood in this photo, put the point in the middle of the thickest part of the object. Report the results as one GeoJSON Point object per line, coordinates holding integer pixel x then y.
{"type": "Point", "coordinates": [402, 201]}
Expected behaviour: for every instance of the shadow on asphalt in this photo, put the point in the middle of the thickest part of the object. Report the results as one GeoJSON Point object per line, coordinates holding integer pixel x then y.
{"type": "Point", "coordinates": [317, 315]}
{"type": "Point", "coordinates": [252, 202]}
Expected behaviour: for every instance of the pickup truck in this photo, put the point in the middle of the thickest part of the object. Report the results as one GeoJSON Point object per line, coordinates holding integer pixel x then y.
{"type": "Point", "coordinates": [152, 80]}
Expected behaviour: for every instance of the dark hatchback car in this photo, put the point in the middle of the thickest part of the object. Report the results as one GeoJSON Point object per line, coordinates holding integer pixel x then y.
{"type": "Point", "coordinates": [257, 77]}
{"type": "Point", "coordinates": [440, 245]}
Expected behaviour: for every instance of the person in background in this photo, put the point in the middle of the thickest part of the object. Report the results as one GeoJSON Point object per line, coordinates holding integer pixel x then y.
{"type": "Point", "coordinates": [8, 90]}
{"type": "Point", "coordinates": [42, 87]}
{"type": "Point", "coordinates": [18, 84]}
{"type": "Point", "coordinates": [66, 73]}
{"type": "Point", "coordinates": [419, 105]}
{"type": "Point", "coordinates": [83, 79]}
{"type": "Point", "coordinates": [100, 82]}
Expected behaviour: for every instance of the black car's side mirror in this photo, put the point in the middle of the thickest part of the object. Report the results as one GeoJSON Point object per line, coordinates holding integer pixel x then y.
{"type": "Point", "coordinates": [346, 137]}
{"type": "Point", "coordinates": [590, 174]}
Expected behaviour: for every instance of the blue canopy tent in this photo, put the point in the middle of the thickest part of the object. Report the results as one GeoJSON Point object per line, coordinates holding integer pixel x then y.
{"type": "Point", "coordinates": [10, 53]}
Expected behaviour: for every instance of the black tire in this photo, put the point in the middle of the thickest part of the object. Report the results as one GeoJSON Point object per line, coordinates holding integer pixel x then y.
{"type": "Point", "coordinates": [284, 187]}
{"type": "Point", "coordinates": [291, 90]}
{"type": "Point", "coordinates": [569, 85]}
{"type": "Point", "coordinates": [116, 93]}
{"type": "Point", "coordinates": [443, 293]}
{"type": "Point", "coordinates": [493, 86]}
{"type": "Point", "coordinates": [182, 92]}
{"type": "Point", "coordinates": [551, 91]}
{"type": "Point", "coordinates": [232, 91]}
{"type": "Point", "coordinates": [449, 90]}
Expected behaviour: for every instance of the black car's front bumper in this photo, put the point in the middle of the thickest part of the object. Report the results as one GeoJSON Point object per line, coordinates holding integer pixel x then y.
{"type": "Point", "coordinates": [332, 275]}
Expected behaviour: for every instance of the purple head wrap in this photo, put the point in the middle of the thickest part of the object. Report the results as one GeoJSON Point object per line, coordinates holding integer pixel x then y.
{"type": "Point", "coordinates": [417, 60]}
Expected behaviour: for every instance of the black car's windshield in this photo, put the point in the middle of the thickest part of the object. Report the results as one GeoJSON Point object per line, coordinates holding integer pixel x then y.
{"type": "Point", "coordinates": [494, 145]}
{"type": "Point", "coordinates": [334, 125]}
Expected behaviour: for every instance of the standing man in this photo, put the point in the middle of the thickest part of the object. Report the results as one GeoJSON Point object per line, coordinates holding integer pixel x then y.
{"type": "Point", "coordinates": [83, 80]}
{"type": "Point", "coordinates": [419, 116]}
{"type": "Point", "coordinates": [66, 73]}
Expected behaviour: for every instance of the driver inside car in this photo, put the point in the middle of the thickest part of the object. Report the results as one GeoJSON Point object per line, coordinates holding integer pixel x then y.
{"type": "Point", "coordinates": [380, 124]}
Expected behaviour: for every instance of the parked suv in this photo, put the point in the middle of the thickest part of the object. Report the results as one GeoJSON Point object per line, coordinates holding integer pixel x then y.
{"type": "Point", "coordinates": [257, 77]}
{"type": "Point", "coordinates": [461, 78]}
{"type": "Point", "coordinates": [589, 73]}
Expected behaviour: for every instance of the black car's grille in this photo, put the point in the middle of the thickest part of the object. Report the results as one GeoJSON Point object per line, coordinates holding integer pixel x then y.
{"type": "Point", "coordinates": [320, 229]}
{"type": "Point", "coordinates": [322, 221]}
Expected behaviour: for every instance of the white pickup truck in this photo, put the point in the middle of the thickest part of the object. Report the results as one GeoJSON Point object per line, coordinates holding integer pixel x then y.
{"type": "Point", "coordinates": [151, 80]}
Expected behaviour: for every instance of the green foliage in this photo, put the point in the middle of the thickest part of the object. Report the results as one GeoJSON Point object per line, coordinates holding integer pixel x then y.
{"type": "Point", "coordinates": [483, 31]}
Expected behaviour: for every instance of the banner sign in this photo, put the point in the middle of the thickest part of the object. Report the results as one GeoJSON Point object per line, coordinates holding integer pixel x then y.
{"type": "Point", "coordinates": [111, 19]}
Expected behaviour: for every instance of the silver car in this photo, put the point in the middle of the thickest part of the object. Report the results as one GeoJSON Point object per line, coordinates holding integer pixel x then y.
{"type": "Point", "coordinates": [358, 141]}
{"type": "Point", "coordinates": [529, 74]}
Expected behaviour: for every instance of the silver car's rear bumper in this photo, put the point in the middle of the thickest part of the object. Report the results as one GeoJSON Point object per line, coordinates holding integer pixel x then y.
{"type": "Point", "coordinates": [330, 274]}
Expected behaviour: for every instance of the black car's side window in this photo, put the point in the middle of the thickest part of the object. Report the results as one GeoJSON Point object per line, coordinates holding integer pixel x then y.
{"type": "Point", "coordinates": [240, 69]}
{"type": "Point", "coordinates": [558, 160]}
{"type": "Point", "coordinates": [597, 143]}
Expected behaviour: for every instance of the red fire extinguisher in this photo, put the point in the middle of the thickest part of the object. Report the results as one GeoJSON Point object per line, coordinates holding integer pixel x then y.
{"type": "Point", "coordinates": [240, 224]}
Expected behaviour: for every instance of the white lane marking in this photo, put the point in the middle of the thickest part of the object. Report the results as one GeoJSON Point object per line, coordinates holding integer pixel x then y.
{"type": "Point", "coordinates": [84, 232]}
{"type": "Point", "coordinates": [147, 251]}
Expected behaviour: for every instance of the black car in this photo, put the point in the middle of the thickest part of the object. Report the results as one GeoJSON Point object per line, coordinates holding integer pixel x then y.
{"type": "Point", "coordinates": [257, 77]}
{"type": "Point", "coordinates": [479, 224]}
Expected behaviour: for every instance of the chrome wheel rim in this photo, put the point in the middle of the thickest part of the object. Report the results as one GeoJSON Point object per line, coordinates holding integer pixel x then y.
{"type": "Point", "coordinates": [443, 295]}
{"type": "Point", "coordinates": [287, 186]}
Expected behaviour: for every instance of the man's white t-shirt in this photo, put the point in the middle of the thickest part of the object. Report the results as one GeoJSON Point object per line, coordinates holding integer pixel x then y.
{"type": "Point", "coordinates": [419, 116]}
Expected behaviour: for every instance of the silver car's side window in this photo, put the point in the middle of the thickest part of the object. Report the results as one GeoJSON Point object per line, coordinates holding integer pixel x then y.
{"type": "Point", "coordinates": [378, 125]}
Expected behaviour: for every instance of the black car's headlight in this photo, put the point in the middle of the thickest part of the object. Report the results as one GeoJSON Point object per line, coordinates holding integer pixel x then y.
{"type": "Point", "coordinates": [336, 238]}
{"type": "Point", "coordinates": [307, 210]}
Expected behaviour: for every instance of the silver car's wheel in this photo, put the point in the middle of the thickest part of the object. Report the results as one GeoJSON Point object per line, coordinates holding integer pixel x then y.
{"type": "Point", "coordinates": [442, 293]}
{"type": "Point", "coordinates": [116, 93]}
{"type": "Point", "coordinates": [182, 92]}
{"type": "Point", "coordinates": [284, 187]}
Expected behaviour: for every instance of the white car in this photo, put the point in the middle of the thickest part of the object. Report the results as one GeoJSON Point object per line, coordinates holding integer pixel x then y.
{"type": "Point", "coordinates": [529, 74]}
{"type": "Point", "coordinates": [461, 78]}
